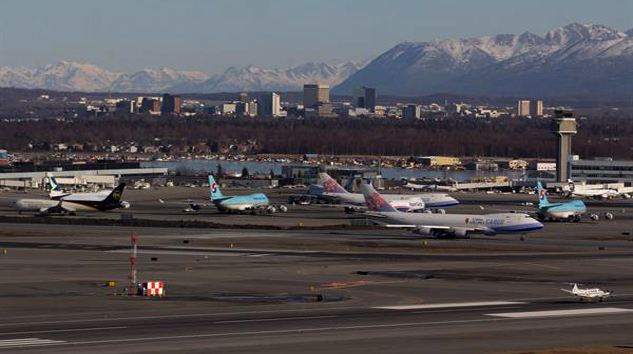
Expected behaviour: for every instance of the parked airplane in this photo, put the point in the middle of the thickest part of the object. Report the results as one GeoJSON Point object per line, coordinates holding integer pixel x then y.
{"type": "Point", "coordinates": [571, 211]}
{"type": "Point", "coordinates": [446, 225]}
{"type": "Point", "coordinates": [70, 204]}
{"type": "Point", "coordinates": [403, 202]}
{"type": "Point", "coordinates": [57, 192]}
{"type": "Point", "coordinates": [240, 203]}
{"type": "Point", "coordinates": [588, 294]}
{"type": "Point", "coordinates": [583, 191]}
{"type": "Point", "coordinates": [428, 187]}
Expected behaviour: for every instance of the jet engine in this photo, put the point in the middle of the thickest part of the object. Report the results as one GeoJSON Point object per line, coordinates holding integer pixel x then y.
{"type": "Point", "coordinates": [422, 230]}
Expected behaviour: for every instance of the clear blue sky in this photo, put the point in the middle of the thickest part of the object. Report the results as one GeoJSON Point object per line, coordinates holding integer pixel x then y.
{"type": "Point", "coordinates": [211, 35]}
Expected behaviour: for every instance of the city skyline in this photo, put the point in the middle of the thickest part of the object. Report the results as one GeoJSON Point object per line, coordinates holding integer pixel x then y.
{"type": "Point", "coordinates": [195, 35]}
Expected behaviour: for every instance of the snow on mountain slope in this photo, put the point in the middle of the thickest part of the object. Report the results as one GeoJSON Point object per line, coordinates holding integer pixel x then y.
{"type": "Point", "coordinates": [74, 76]}
{"type": "Point", "coordinates": [488, 65]}
{"type": "Point", "coordinates": [253, 78]}
{"type": "Point", "coordinates": [156, 80]}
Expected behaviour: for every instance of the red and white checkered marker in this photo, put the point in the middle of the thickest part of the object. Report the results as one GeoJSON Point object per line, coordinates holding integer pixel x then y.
{"type": "Point", "coordinates": [153, 288]}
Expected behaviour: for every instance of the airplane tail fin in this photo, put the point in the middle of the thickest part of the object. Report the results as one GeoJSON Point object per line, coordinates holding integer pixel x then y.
{"type": "Point", "coordinates": [572, 186]}
{"type": "Point", "coordinates": [54, 185]}
{"type": "Point", "coordinates": [542, 195]}
{"type": "Point", "coordinates": [214, 188]}
{"type": "Point", "coordinates": [374, 201]}
{"type": "Point", "coordinates": [115, 195]}
{"type": "Point", "coordinates": [349, 183]}
{"type": "Point", "coordinates": [330, 185]}
{"type": "Point", "coordinates": [573, 290]}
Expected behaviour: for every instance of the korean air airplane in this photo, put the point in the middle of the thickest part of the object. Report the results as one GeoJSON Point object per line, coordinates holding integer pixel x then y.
{"type": "Point", "coordinates": [239, 203]}
{"type": "Point", "coordinates": [446, 225]}
{"type": "Point", "coordinates": [570, 211]}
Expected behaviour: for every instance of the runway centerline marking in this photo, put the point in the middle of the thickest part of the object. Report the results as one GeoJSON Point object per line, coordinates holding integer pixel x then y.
{"type": "Point", "coordinates": [64, 330]}
{"type": "Point", "coordinates": [282, 331]}
{"type": "Point", "coordinates": [449, 305]}
{"type": "Point", "coordinates": [275, 319]}
{"type": "Point", "coordinates": [464, 310]}
{"type": "Point", "coordinates": [543, 265]}
{"type": "Point", "coordinates": [28, 342]}
{"type": "Point", "coordinates": [560, 313]}
{"type": "Point", "coordinates": [193, 315]}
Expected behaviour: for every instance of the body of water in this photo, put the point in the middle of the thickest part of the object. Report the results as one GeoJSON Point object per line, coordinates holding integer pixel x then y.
{"type": "Point", "coordinates": [199, 166]}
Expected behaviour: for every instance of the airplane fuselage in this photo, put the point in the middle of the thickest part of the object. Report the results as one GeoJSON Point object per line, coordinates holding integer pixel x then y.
{"type": "Point", "coordinates": [569, 210]}
{"type": "Point", "coordinates": [431, 200]}
{"type": "Point", "coordinates": [488, 224]}
{"type": "Point", "coordinates": [242, 202]}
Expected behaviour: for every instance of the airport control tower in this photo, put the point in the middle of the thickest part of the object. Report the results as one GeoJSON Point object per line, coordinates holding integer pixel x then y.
{"type": "Point", "coordinates": [564, 127]}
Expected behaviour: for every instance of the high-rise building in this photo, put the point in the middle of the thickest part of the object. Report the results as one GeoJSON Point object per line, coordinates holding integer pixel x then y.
{"type": "Point", "coordinates": [125, 106]}
{"type": "Point", "coordinates": [241, 108]}
{"type": "Point", "coordinates": [365, 97]}
{"type": "Point", "coordinates": [171, 104]}
{"type": "Point", "coordinates": [151, 105]}
{"type": "Point", "coordinates": [411, 111]}
{"type": "Point", "coordinates": [536, 109]}
{"type": "Point", "coordinates": [523, 108]}
{"type": "Point", "coordinates": [315, 94]}
{"type": "Point", "coordinates": [270, 104]}
{"type": "Point", "coordinates": [253, 108]}
{"type": "Point", "coordinates": [243, 97]}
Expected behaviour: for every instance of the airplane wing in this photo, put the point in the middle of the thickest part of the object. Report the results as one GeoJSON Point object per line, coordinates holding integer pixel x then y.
{"type": "Point", "coordinates": [402, 226]}
{"type": "Point", "coordinates": [518, 211]}
{"type": "Point", "coordinates": [58, 209]}
{"type": "Point", "coordinates": [184, 202]}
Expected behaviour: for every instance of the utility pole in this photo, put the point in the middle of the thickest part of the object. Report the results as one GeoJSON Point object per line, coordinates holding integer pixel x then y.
{"type": "Point", "coordinates": [132, 289]}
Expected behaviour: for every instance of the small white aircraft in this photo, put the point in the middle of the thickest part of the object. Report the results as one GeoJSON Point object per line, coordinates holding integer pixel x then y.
{"type": "Point", "coordinates": [588, 294]}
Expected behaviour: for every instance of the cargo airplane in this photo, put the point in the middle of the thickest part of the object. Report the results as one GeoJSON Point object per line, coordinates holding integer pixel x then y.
{"type": "Point", "coordinates": [72, 203]}
{"type": "Point", "coordinates": [445, 225]}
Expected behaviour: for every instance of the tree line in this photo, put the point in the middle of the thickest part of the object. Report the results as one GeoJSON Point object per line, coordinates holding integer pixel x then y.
{"type": "Point", "coordinates": [528, 138]}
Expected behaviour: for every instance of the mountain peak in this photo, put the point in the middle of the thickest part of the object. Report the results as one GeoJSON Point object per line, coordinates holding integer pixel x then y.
{"type": "Point", "coordinates": [504, 64]}
{"type": "Point", "coordinates": [574, 32]}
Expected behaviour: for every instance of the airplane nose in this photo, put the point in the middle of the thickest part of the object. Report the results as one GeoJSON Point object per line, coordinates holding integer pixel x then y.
{"type": "Point", "coordinates": [538, 224]}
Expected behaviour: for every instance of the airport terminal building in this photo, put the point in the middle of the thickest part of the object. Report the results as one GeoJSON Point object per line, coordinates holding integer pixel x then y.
{"type": "Point", "coordinates": [601, 170]}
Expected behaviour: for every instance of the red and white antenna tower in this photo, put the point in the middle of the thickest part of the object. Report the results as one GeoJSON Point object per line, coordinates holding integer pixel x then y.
{"type": "Point", "coordinates": [133, 284]}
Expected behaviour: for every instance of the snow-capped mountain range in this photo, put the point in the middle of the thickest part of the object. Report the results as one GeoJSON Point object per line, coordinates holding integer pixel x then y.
{"type": "Point", "coordinates": [252, 78]}
{"type": "Point", "coordinates": [74, 76]}
{"type": "Point", "coordinates": [575, 59]}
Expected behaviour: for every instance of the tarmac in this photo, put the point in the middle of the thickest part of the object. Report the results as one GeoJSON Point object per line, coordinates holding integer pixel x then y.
{"type": "Point", "coordinates": [312, 291]}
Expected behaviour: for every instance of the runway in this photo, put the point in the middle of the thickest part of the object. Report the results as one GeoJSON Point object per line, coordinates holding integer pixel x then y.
{"type": "Point", "coordinates": [450, 327]}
